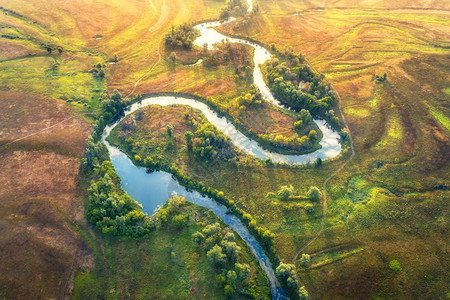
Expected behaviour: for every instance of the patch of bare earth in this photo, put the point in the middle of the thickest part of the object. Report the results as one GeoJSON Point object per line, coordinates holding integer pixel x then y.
{"type": "Point", "coordinates": [40, 148]}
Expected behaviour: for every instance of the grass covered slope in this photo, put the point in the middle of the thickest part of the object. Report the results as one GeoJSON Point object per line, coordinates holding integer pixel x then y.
{"type": "Point", "coordinates": [172, 262]}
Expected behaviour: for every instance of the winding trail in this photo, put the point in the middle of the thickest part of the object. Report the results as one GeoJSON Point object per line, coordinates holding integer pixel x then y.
{"type": "Point", "coordinates": [37, 132]}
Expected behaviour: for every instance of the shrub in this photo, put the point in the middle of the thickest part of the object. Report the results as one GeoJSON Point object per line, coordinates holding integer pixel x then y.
{"type": "Point", "coordinates": [314, 193]}
{"type": "Point", "coordinates": [285, 192]}
{"type": "Point", "coordinates": [305, 260]}
{"type": "Point", "coordinates": [303, 293]}
{"type": "Point", "coordinates": [394, 265]}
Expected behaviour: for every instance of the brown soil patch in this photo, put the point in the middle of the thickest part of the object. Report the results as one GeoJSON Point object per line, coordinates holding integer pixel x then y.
{"type": "Point", "coordinates": [39, 249]}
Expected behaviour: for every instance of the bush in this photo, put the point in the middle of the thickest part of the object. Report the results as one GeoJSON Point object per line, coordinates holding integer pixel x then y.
{"type": "Point", "coordinates": [287, 275]}
{"type": "Point", "coordinates": [179, 221]}
{"type": "Point", "coordinates": [305, 260]}
{"type": "Point", "coordinates": [314, 193]}
{"type": "Point", "coordinates": [394, 265]}
{"type": "Point", "coordinates": [285, 192]}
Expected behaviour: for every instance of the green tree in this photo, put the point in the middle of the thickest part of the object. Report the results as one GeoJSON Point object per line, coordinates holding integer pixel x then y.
{"type": "Point", "coordinates": [305, 116]}
{"type": "Point", "coordinates": [169, 130]}
{"type": "Point", "coordinates": [216, 256]}
{"type": "Point", "coordinates": [198, 237]}
{"type": "Point", "coordinates": [314, 193]}
{"type": "Point", "coordinates": [173, 57]}
{"type": "Point", "coordinates": [229, 291]}
{"type": "Point", "coordinates": [179, 221]}
{"type": "Point", "coordinates": [303, 293]}
{"type": "Point", "coordinates": [305, 260]}
{"type": "Point", "coordinates": [318, 162]}
{"type": "Point", "coordinates": [285, 192]}
{"type": "Point", "coordinates": [232, 277]}
{"type": "Point", "coordinates": [189, 137]}
{"type": "Point", "coordinates": [284, 271]}
{"type": "Point", "coordinates": [211, 229]}
{"type": "Point", "coordinates": [231, 250]}
{"type": "Point", "coordinates": [242, 271]}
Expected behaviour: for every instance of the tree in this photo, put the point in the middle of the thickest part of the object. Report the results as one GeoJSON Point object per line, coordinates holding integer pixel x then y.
{"type": "Point", "coordinates": [314, 193]}
{"type": "Point", "coordinates": [242, 271]}
{"type": "Point", "coordinates": [179, 221]}
{"type": "Point", "coordinates": [177, 201]}
{"type": "Point", "coordinates": [394, 265]}
{"type": "Point", "coordinates": [287, 275]}
{"type": "Point", "coordinates": [216, 256]}
{"type": "Point", "coordinates": [232, 277]}
{"type": "Point", "coordinates": [312, 135]}
{"type": "Point", "coordinates": [303, 293]}
{"type": "Point", "coordinates": [283, 271]}
{"type": "Point", "coordinates": [169, 130]}
{"type": "Point", "coordinates": [229, 291]}
{"type": "Point", "coordinates": [305, 260]}
{"type": "Point", "coordinates": [198, 237]}
{"type": "Point", "coordinates": [318, 162]}
{"type": "Point", "coordinates": [229, 236]}
{"type": "Point", "coordinates": [231, 250]}
{"type": "Point", "coordinates": [189, 136]}
{"type": "Point", "coordinates": [211, 229]}
{"type": "Point", "coordinates": [173, 57]}
{"type": "Point", "coordinates": [285, 192]}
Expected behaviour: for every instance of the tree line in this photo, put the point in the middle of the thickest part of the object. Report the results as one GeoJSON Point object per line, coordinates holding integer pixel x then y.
{"type": "Point", "coordinates": [297, 86]}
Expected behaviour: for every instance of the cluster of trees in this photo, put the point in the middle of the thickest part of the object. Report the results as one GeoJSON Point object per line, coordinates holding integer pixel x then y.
{"type": "Point", "coordinates": [181, 37]}
{"type": "Point", "coordinates": [281, 141]}
{"type": "Point", "coordinates": [287, 276]}
{"type": "Point", "coordinates": [230, 53]}
{"type": "Point", "coordinates": [252, 97]}
{"type": "Point", "coordinates": [296, 85]}
{"type": "Point", "coordinates": [209, 143]}
{"type": "Point", "coordinates": [171, 215]}
{"type": "Point", "coordinates": [111, 209]}
{"type": "Point", "coordinates": [288, 192]}
{"type": "Point", "coordinates": [223, 253]}
{"type": "Point", "coordinates": [234, 8]}
{"type": "Point", "coordinates": [98, 71]}
{"type": "Point", "coordinates": [264, 236]}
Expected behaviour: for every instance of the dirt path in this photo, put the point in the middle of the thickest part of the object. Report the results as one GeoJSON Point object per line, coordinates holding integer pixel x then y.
{"type": "Point", "coordinates": [37, 132]}
{"type": "Point", "coordinates": [146, 73]}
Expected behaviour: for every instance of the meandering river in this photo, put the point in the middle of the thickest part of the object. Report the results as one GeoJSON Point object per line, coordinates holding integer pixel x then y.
{"type": "Point", "coordinates": [152, 190]}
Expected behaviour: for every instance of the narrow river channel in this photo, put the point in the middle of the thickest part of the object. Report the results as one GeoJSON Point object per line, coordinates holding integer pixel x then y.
{"type": "Point", "coordinates": [152, 190]}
